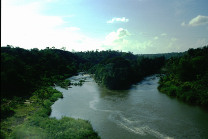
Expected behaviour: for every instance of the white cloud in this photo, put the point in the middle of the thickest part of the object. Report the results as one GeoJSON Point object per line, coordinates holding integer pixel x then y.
{"type": "Point", "coordinates": [116, 37]}
{"type": "Point", "coordinates": [155, 44]}
{"type": "Point", "coordinates": [115, 19]}
{"type": "Point", "coordinates": [122, 40]}
{"type": "Point", "coordinates": [73, 28]}
{"type": "Point", "coordinates": [23, 25]}
{"type": "Point", "coordinates": [125, 41]}
{"type": "Point", "coordinates": [197, 21]}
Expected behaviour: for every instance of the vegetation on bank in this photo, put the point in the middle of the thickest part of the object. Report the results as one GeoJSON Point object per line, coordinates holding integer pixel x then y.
{"type": "Point", "coordinates": [186, 77]}
{"type": "Point", "coordinates": [26, 96]}
{"type": "Point", "coordinates": [31, 120]}
{"type": "Point", "coordinates": [119, 70]}
{"type": "Point", "coordinates": [26, 77]}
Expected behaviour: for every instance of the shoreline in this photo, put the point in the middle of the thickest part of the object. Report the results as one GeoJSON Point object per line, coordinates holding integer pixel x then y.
{"type": "Point", "coordinates": [32, 119]}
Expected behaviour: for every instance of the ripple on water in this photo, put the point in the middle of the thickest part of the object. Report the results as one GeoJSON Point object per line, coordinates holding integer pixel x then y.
{"type": "Point", "coordinates": [135, 126]}
{"type": "Point", "coordinates": [140, 112]}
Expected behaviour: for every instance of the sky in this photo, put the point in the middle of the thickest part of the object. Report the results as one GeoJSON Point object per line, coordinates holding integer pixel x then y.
{"type": "Point", "coordinates": [138, 26]}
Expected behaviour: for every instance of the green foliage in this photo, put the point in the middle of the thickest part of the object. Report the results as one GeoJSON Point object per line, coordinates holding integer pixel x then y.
{"type": "Point", "coordinates": [23, 71]}
{"type": "Point", "coordinates": [66, 128]}
{"type": "Point", "coordinates": [8, 106]}
{"type": "Point", "coordinates": [115, 73]}
{"type": "Point", "coordinates": [64, 83]}
{"type": "Point", "coordinates": [166, 55]}
{"type": "Point", "coordinates": [46, 93]}
{"type": "Point", "coordinates": [26, 75]}
{"type": "Point", "coordinates": [118, 70]}
{"type": "Point", "coordinates": [32, 120]}
{"type": "Point", "coordinates": [120, 73]}
{"type": "Point", "coordinates": [187, 77]}
{"type": "Point", "coordinates": [24, 131]}
{"type": "Point", "coordinates": [92, 58]}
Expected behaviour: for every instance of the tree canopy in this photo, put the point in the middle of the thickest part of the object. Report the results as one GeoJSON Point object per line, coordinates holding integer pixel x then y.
{"type": "Point", "coordinates": [187, 77]}
{"type": "Point", "coordinates": [23, 71]}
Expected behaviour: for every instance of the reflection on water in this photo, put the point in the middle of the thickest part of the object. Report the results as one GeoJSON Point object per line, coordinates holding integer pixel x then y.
{"type": "Point", "coordinates": [140, 112]}
{"type": "Point", "coordinates": [113, 93]}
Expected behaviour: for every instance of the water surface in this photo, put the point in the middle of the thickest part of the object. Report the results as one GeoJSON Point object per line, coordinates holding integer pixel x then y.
{"type": "Point", "coordinates": [140, 112]}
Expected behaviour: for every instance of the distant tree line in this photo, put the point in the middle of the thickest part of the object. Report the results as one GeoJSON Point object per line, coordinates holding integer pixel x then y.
{"type": "Point", "coordinates": [166, 55]}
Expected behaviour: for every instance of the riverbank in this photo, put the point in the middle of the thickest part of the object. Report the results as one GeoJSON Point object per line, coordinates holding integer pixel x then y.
{"type": "Point", "coordinates": [31, 120]}
{"type": "Point", "coordinates": [186, 77]}
{"type": "Point", "coordinates": [194, 93]}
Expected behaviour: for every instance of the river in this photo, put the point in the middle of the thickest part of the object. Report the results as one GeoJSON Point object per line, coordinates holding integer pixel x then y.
{"type": "Point", "coordinates": [140, 112]}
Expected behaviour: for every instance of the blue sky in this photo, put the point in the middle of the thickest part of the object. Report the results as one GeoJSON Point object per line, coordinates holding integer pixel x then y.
{"type": "Point", "coordinates": [139, 26]}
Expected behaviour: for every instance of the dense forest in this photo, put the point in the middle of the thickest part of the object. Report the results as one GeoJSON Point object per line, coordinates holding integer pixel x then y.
{"type": "Point", "coordinates": [119, 70]}
{"type": "Point", "coordinates": [28, 77]}
{"type": "Point", "coordinates": [186, 77]}
{"type": "Point", "coordinates": [121, 73]}
{"type": "Point", "coordinates": [28, 70]}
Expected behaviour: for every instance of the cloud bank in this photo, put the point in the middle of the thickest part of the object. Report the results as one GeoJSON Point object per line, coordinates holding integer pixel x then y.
{"type": "Point", "coordinates": [23, 25]}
